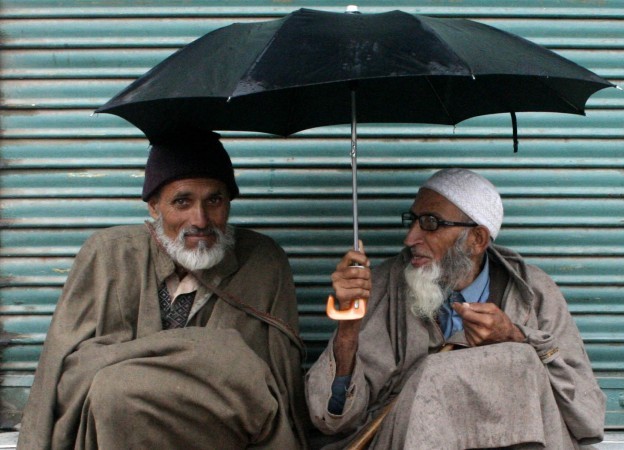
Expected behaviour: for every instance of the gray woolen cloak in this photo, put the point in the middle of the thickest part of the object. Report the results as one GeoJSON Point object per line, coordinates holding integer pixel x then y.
{"type": "Point", "coordinates": [110, 377]}
{"type": "Point", "coordinates": [542, 391]}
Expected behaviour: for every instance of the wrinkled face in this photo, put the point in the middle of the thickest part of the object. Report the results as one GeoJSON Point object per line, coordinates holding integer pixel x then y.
{"type": "Point", "coordinates": [431, 246]}
{"type": "Point", "coordinates": [192, 206]}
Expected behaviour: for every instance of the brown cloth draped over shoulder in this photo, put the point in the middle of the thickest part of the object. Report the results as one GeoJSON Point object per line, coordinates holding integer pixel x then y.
{"type": "Point", "coordinates": [110, 377]}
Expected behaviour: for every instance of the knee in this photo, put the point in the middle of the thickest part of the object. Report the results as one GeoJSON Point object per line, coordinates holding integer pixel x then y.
{"type": "Point", "coordinates": [522, 353]}
{"type": "Point", "coordinates": [507, 354]}
{"type": "Point", "coordinates": [108, 390]}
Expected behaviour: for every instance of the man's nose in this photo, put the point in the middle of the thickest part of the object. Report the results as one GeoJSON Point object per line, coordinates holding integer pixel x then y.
{"type": "Point", "coordinates": [200, 217]}
{"type": "Point", "coordinates": [414, 235]}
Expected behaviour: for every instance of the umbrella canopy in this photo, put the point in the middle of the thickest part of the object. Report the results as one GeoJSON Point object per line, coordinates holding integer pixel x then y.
{"type": "Point", "coordinates": [295, 73]}
{"type": "Point", "coordinates": [307, 69]}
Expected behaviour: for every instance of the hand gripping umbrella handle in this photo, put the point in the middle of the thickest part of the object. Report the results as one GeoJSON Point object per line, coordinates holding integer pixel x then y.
{"type": "Point", "coordinates": [357, 308]}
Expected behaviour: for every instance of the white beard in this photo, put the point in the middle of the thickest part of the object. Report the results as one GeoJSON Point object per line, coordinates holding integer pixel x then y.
{"type": "Point", "coordinates": [423, 290]}
{"type": "Point", "coordinates": [201, 257]}
{"type": "Point", "coordinates": [428, 286]}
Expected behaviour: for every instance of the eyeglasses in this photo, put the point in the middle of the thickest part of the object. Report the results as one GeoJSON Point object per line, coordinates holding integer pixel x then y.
{"type": "Point", "coordinates": [430, 223]}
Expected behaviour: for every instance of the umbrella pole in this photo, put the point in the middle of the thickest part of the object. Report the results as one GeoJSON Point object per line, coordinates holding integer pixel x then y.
{"type": "Point", "coordinates": [357, 309]}
{"type": "Point", "coordinates": [356, 240]}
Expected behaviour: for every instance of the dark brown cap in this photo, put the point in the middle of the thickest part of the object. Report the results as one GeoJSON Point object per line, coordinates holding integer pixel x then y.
{"type": "Point", "coordinates": [191, 156]}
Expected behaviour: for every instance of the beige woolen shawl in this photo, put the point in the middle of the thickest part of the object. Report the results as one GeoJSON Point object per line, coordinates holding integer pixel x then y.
{"type": "Point", "coordinates": [394, 344]}
{"type": "Point", "coordinates": [109, 313]}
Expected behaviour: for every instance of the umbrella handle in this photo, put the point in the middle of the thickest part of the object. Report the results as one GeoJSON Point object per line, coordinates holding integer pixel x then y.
{"type": "Point", "coordinates": [356, 310]}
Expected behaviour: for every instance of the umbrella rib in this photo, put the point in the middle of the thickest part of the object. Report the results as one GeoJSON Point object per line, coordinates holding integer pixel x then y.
{"type": "Point", "coordinates": [561, 96]}
{"type": "Point", "coordinates": [435, 92]}
{"type": "Point", "coordinates": [257, 58]}
{"type": "Point", "coordinates": [506, 107]}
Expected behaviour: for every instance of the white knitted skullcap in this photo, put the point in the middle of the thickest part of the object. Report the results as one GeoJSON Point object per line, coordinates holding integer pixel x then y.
{"type": "Point", "coordinates": [471, 193]}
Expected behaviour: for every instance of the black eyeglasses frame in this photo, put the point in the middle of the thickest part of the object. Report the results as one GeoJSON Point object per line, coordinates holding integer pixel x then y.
{"type": "Point", "coordinates": [425, 220]}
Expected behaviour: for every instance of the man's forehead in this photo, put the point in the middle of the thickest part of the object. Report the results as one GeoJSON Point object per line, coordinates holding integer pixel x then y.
{"type": "Point", "coordinates": [191, 185]}
{"type": "Point", "coordinates": [430, 201]}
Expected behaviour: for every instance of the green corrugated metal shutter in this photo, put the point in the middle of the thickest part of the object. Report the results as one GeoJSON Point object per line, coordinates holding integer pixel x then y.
{"type": "Point", "coordinates": [65, 173]}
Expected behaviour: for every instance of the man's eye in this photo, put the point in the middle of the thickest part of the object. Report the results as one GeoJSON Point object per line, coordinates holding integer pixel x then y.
{"type": "Point", "coordinates": [180, 202]}
{"type": "Point", "coordinates": [215, 200]}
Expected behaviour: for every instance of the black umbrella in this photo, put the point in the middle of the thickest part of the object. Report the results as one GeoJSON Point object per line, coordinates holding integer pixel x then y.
{"type": "Point", "coordinates": [306, 69]}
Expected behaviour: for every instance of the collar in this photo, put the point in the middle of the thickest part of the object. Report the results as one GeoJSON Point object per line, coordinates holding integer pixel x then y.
{"type": "Point", "coordinates": [519, 311]}
{"type": "Point", "coordinates": [476, 291]}
{"type": "Point", "coordinates": [177, 286]}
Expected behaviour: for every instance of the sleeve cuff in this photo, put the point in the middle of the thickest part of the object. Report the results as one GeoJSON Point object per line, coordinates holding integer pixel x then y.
{"type": "Point", "coordinates": [543, 343]}
{"type": "Point", "coordinates": [339, 389]}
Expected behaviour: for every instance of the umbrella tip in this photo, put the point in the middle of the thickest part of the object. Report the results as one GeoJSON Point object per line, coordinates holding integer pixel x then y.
{"type": "Point", "coordinates": [352, 9]}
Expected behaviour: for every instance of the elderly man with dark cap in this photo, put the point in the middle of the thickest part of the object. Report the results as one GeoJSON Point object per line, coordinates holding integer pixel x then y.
{"type": "Point", "coordinates": [177, 334]}
{"type": "Point", "coordinates": [519, 376]}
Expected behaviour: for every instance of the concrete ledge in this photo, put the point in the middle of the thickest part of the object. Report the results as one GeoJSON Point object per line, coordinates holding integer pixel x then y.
{"type": "Point", "coordinates": [612, 441]}
{"type": "Point", "coordinates": [8, 440]}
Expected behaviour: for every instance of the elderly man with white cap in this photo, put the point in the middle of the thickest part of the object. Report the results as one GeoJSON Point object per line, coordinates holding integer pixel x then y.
{"type": "Point", "coordinates": [519, 376]}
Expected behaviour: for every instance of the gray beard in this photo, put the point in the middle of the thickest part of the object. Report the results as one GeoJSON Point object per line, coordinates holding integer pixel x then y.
{"type": "Point", "coordinates": [429, 286]}
{"type": "Point", "coordinates": [424, 293]}
{"type": "Point", "coordinates": [200, 258]}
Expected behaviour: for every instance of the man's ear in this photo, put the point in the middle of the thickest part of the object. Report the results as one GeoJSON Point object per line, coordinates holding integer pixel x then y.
{"type": "Point", "coordinates": [152, 206]}
{"type": "Point", "coordinates": [480, 238]}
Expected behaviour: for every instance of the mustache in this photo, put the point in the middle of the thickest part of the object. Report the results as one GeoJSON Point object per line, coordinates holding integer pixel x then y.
{"type": "Point", "coordinates": [194, 231]}
{"type": "Point", "coordinates": [202, 257]}
{"type": "Point", "coordinates": [421, 254]}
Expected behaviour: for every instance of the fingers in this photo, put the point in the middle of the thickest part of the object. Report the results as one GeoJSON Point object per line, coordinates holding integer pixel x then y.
{"type": "Point", "coordinates": [475, 308]}
{"type": "Point", "coordinates": [472, 337]}
{"type": "Point", "coordinates": [352, 257]}
{"type": "Point", "coordinates": [477, 334]}
{"type": "Point", "coordinates": [486, 323]}
{"type": "Point", "coordinates": [475, 313]}
{"type": "Point", "coordinates": [352, 282]}
{"type": "Point", "coordinates": [474, 328]}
